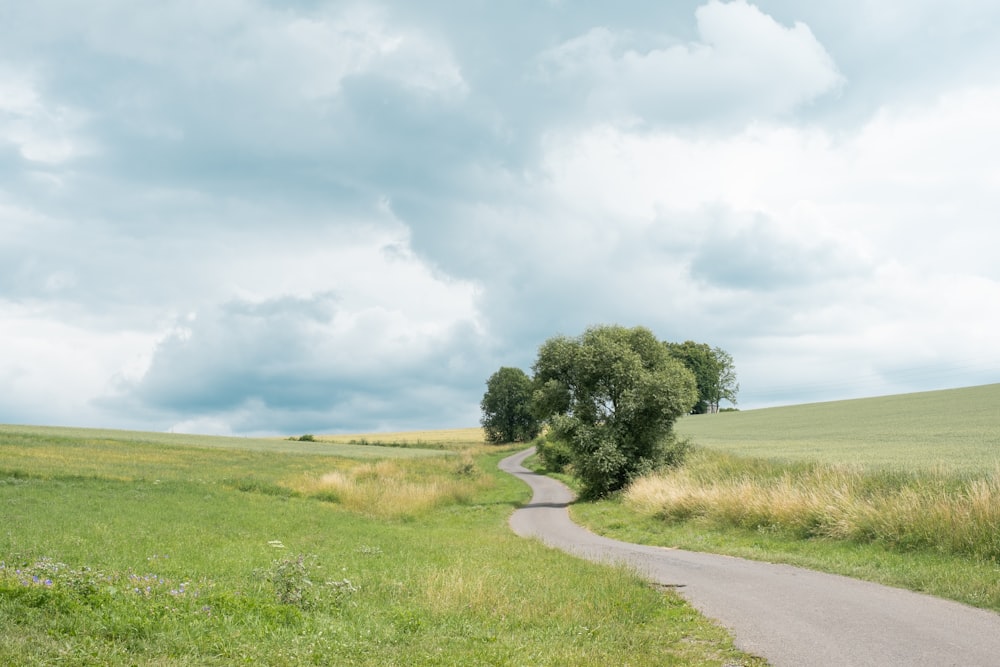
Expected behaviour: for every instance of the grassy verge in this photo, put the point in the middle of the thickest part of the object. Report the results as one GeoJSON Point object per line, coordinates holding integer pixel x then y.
{"type": "Point", "coordinates": [181, 555]}
{"type": "Point", "coordinates": [933, 532]}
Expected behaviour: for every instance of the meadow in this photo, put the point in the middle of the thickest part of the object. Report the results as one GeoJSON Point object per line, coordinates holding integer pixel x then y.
{"type": "Point", "coordinates": [135, 548]}
{"type": "Point", "coordinates": [953, 430]}
{"type": "Point", "coordinates": [900, 489]}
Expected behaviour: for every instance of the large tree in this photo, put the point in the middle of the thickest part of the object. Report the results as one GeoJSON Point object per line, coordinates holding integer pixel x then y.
{"type": "Point", "coordinates": [507, 415]}
{"type": "Point", "coordinates": [713, 370]}
{"type": "Point", "coordinates": [612, 394]}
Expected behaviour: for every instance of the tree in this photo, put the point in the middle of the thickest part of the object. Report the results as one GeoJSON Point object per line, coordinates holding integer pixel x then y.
{"type": "Point", "coordinates": [507, 416]}
{"type": "Point", "coordinates": [713, 370]}
{"type": "Point", "coordinates": [727, 387]}
{"type": "Point", "coordinates": [613, 395]}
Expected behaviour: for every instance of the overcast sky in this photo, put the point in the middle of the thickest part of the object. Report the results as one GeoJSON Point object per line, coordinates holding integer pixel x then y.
{"type": "Point", "coordinates": [253, 217]}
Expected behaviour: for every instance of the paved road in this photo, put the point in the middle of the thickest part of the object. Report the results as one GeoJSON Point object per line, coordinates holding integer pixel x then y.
{"type": "Point", "coordinates": [784, 614]}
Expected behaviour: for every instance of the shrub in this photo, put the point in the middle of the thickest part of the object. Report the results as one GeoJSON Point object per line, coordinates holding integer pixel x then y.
{"type": "Point", "coordinates": [290, 578]}
{"type": "Point", "coordinates": [554, 454]}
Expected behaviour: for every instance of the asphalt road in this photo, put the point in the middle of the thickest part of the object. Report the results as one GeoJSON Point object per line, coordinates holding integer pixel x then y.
{"type": "Point", "coordinates": [787, 615]}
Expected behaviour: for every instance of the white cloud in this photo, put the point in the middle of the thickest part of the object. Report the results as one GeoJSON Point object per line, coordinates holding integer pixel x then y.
{"type": "Point", "coordinates": [867, 254]}
{"type": "Point", "coordinates": [347, 315]}
{"type": "Point", "coordinates": [369, 208]}
{"type": "Point", "coordinates": [52, 370]}
{"type": "Point", "coordinates": [745, 65]}
{"type": "Point", "coordinates": [249, 45]}
{"type": "Point", "coordinates": [43, 132]}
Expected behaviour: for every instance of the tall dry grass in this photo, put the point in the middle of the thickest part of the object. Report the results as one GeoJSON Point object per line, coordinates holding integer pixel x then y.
{"type": "Point", "coordinates": [393, 488]}
{"type": "Point", "coordinates": [905, 510]}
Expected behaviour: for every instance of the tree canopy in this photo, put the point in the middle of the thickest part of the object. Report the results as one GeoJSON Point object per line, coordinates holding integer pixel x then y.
{"type": "Point", "coordinates": [612, 394]}
{"type": "Point", "coordinates": [714, 372]}
{"type": "Point", "coordinates": [506, 407]}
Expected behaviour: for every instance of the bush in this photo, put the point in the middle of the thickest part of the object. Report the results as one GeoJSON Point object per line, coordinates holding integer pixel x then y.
{"type": "Point", "coordinates": [554, 454]}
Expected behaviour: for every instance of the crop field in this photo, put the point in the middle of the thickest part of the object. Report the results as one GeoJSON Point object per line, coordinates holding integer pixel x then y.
{"type": "Point", "coordinates": [136, 548]}
{"type": "Point", "coordinates": [456, 438]}
{"type": "Point", "coordinates": [955, 429]}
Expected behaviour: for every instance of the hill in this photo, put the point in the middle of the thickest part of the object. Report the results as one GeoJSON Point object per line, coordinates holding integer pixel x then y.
{"type": "Point", "coordinates": [954, 429]}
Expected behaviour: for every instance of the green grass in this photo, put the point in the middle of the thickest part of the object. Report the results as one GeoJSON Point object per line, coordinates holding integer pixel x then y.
{"type": "Point", "coordinates": [89, 438]}
{"type": "Point", "coordinates": [956, 430]}
{"type": "Point", "coordinates": [166, 553]}
{"type": "Point", "coordinates": [969, 580]}
{"type": "Point", "coordinates": [904, 490]}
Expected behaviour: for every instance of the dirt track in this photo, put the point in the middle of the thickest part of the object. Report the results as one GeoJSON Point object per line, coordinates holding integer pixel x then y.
{"type": "Point", "coordinates": [787, 615]}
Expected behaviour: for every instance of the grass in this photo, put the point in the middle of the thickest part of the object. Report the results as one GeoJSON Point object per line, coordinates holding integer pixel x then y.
{"type": "Point", "coordinates": [394, 488]}
{"type": "Point", "coordinates": [87, 439]}
{"type": "Point", "coordinates": [117, 550]}
{"type": "Point", "coordinates": [972, 581]}
{"type": "Point", "coordinates": [446, 439]}
{"type": "Point", "coordinates": [954, 430]}
{"type": "Point", "coordinates": [902, 489]}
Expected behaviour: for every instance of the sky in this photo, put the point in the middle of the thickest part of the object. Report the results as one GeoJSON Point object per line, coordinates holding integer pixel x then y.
{"type": "Point", "coordinates": [251, 217]}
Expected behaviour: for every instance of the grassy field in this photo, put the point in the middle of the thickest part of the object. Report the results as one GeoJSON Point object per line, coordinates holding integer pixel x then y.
{"type": "Point", "coordinates": [121, 549]}
{"type": "Point", "coordinates": [957, 430]}
{"type": "Point", "coordinates": [449, 439]}
{"type": "Point", "coordinates": [89, 438]}
{"type": "Point", "coordinates": [900, 489]}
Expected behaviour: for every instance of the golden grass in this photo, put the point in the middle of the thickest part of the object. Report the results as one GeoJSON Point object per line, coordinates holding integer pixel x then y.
{"type": "Point", "coordinates": [929, 510]}
{"type": "Point", "coordinates": [451, 437]}
{"type": "Point", "coordinates": [393, 488]}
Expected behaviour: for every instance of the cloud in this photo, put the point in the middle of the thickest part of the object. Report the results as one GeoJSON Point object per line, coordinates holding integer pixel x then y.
{"type": "Point", "coordinates": [753, 255]}
{"type": "Point", "coordinates": [41, 131]}
{"type": "Point", "coordinates": [243, 218]}
{"type": "Point", "coordinates": [827, 254]}
{"type": "Point", "coordinates": [287, 355]}
{"type": "Point", "coordinates": [273, 54]}
{"type": "Point", "coordinates": [52, 369]}
{"type": "Point", "coordinates": [193, 98]}
{"type": "Point", "coordinates": [744, 65]}
{"type": "Point", "coordinates": [305, 363]}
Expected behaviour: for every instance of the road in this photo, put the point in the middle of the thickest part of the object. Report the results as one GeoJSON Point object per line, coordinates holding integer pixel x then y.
{"type": "Point", "coordinates": [786, 615]}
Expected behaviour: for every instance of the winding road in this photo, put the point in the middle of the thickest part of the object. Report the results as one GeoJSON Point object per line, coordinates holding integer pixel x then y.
{"type": "Point", "coordinates": [784, 614]}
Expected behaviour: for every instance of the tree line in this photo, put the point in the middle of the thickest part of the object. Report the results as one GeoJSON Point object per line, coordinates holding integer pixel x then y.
{"type": "Point", "coordinates": [607, 401]}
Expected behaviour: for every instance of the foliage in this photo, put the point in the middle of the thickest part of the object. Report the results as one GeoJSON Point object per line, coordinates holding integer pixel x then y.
{"type": "Point", "coordinates": [293, 579]}
{"type": "Point", "coordinates": [713, 370]}
{"type": "Point", "coordinates": [612, 394]}
{"type": "Point", "coordinates": [506, 407]}
{"type": "Point", "coordinates": [555, 455]}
